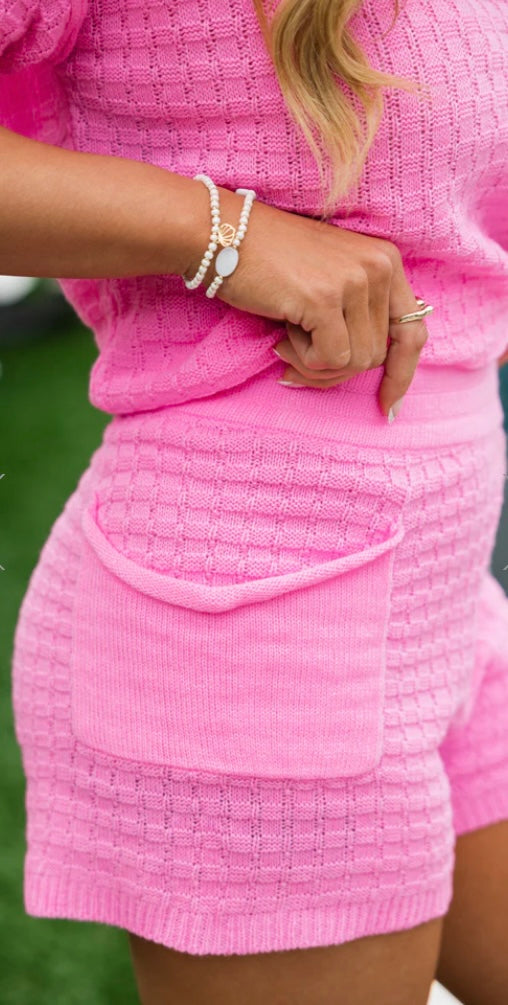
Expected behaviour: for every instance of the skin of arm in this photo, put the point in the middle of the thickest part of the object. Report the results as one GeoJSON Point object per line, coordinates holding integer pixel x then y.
{"type": "Point", "coordinates": [70, 214]}
{"type": "Point", "coordinates": [67, 214]}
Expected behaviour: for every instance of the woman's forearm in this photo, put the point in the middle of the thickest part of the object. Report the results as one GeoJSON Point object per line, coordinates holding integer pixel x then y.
{"type": "Point", "coordinates": [66, 214]}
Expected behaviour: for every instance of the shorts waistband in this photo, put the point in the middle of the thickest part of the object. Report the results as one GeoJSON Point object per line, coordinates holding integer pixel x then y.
{"type": "Point", "coordinates": [444, 404]}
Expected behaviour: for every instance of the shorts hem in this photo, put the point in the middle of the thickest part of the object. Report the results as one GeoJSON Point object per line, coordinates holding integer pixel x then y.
{"type": "Point", "coordinates": [57, 896]}
{"type": "Point", "coordinates": [479, 810]}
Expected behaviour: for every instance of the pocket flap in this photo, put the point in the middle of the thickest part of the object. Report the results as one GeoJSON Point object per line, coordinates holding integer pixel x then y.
{"type": "Point", "coordinates": [202, 597]}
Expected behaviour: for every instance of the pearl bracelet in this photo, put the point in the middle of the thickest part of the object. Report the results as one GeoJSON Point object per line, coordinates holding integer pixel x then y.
{"type": "Point", "coordinates": [191, 284]}
{"type": "Point", "coordinates": [227, 259]}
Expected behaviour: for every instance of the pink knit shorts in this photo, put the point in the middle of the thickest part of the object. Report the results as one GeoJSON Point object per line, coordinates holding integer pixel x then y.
{"type": "Point", "coordinates": [260, 671]}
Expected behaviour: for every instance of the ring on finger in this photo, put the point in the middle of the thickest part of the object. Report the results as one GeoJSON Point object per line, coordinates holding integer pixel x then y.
{"type": "Point", "coordinates": [424, 309]}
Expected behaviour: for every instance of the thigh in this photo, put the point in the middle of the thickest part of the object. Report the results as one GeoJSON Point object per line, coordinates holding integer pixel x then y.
{"type": "Point", "coordinates": [393, 969]}
{"type": "Point", "coordinates": [473, 961]}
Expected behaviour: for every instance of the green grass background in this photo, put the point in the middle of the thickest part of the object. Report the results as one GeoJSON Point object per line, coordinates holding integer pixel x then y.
{"type": "Point", "coordinates": [48, 433]}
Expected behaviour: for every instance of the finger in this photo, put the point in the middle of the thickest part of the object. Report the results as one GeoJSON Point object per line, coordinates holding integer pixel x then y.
{"type": "Point", "coordinates": [403, 301]}
{"type": "Point", "coordinates": [379, 309]}
{"type": "Point", "coordinates": [401, 361]}
{"type": "Point", "coordinates": [330, 346]}
{"type": "Point", "coordinates": [359, 326]}
{"type": "Point", "coordinates": [406, 340]}
{"type": "Point", "coordinates": [294, 348]}
{"type": "Point", "coordinates": [293, 373]}
{"type": "Point", "coordinates": [295, 377]}
{"type": "Point", "coordinates": [296, 372]}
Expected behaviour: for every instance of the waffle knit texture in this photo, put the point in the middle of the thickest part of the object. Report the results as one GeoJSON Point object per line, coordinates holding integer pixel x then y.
{"type": "Point", "coordinates": [260, 672]}
{"type": "Point", "coordinates": [250, 780]}
{"type": "Point", "coordinates": [190, 87]}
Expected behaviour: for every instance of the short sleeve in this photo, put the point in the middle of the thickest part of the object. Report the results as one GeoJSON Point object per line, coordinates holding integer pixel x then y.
{"type": "Point", "coordinates": [37, 31]}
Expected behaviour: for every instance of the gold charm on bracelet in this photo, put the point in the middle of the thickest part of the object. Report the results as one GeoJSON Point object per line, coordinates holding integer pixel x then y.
{"type": "Point", "coordinates": [226, 234]}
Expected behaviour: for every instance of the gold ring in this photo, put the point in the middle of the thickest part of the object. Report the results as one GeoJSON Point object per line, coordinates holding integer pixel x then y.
{"type": "Point", "coordinates": [414, 315]}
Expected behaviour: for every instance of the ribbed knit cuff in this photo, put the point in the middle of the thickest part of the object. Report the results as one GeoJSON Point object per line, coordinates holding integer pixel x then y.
{"type": "Point", "coordinates": [61, 896]}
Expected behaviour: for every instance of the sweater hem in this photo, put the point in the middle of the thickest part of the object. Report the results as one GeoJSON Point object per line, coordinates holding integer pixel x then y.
{"type": "Point", "coordinates": [443, 406]}
{"type": "Point", "coordinates": [58, 896]}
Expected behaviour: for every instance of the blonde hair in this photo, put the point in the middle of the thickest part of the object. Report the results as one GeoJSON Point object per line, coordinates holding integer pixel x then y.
{"type": "Point", "coordinates": [309, 43]}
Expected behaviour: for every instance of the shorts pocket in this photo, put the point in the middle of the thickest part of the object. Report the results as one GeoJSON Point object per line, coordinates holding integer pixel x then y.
{"type": "Point", "coordinates": [277, 676]}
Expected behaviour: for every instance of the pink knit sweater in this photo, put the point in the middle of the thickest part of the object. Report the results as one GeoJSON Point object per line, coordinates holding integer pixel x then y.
{"type": "Point", "coordinates": [189, 86]}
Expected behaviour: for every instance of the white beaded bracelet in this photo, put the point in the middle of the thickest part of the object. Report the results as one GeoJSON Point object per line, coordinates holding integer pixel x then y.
{"type": "Point", "coordinates": [227, 259]}
{"type": "Point", "coordinates": [191, 284]}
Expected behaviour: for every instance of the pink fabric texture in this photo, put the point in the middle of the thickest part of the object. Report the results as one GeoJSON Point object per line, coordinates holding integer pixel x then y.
{"type": "Point", "coordinates": [190, 87]}
{"type": "Point", "coordinates": [159, 633]}
{"type": "Point", "coordinates": [137, 727]}
{"type": "Point", "coordinates": [260, 672]}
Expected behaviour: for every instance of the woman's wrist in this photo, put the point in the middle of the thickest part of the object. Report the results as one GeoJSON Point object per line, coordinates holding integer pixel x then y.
{"type": "Point", "coordinates": [230, 209]}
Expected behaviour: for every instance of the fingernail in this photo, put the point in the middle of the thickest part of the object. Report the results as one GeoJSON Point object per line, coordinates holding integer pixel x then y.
{"type": "Point", "coordinates": [290, 383]}
{"type": "Point", "coordinates": [276, 353]}
{"type": "Point", "coordinates": [395, 409]}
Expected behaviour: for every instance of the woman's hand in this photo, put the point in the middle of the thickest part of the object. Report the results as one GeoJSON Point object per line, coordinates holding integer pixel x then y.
{"type": "Point", "coordinates": [335, 289]}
